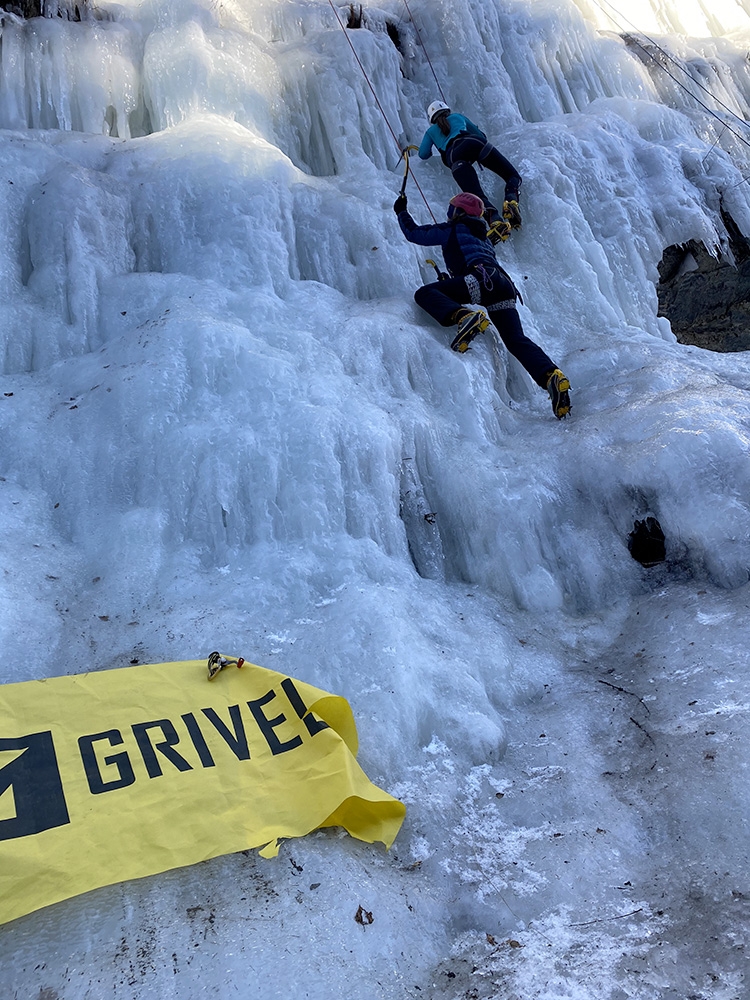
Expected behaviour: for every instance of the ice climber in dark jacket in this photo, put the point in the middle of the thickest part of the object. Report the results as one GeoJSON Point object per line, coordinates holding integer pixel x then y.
{"type": "Point", "coordinates": [474, 276]}
{"type": "Point", "coordinates": [461, 144]}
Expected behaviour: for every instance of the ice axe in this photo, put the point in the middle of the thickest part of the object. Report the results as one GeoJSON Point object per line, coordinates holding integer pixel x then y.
{"type": "Point", "coordinates": [405, 155]}
{"type": "Point", "coordinates": [441, 275]}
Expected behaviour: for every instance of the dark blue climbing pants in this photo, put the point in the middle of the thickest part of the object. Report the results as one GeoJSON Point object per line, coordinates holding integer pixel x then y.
{"type": "Point", "coordinates": [467, 150]}
{"type": "Point", "coordinates": [493, 290]}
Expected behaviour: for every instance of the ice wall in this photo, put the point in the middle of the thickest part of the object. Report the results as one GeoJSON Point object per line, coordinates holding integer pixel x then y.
{"type": "Point", "coordinates": [225, 423]}
{"type": "Point", "coordinates": [217, 181]}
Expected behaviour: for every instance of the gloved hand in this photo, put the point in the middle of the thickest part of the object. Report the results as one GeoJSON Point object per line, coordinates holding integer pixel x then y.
{"type": "Point", "coordinates": [441, 275]}
{"type": "Point", "coordinates": [511, 214]}
{"type": "Point", "coordinates": [399, 204]}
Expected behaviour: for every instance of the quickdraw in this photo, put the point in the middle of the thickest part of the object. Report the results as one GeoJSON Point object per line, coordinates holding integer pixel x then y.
{"type": "Point", "coordinates": [217, 662]}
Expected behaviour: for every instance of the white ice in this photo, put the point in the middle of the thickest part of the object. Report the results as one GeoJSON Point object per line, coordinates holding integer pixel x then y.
{"type": "Point", "coordinates": [224, 420]}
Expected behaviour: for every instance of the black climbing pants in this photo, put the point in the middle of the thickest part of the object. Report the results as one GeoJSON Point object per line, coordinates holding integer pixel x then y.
{"type": "Point", "coordinates": [494, 290]}
{"type": "Point", "coordinates": [467, 150]}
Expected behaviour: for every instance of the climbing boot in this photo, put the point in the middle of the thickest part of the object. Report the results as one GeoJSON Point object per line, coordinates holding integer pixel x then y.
{"type": "Point", "coordinates": [499, 231]}
{"type": "Point", "coordinates": [512, 214]}
{"type": "Point", "coordinates": [470, 324]}
{"type": "Point", "coordinates": [558, 388]}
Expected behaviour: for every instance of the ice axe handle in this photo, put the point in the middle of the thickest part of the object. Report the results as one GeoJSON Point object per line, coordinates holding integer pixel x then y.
{"type": "Point", "coordinates": [405, 154]}
{"type": "Point", "coordinates": [441, 275]}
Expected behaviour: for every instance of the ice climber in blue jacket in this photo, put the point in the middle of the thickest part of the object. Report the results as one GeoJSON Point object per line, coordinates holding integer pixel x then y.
{"type": "Point", "coordinates": [461, 144]}
{"type": "Point", "coordinates": [474, 276]}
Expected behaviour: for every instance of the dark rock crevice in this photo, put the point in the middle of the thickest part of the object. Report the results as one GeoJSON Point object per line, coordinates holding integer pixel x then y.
{"type": "Point", "coordinates": [706, 296]}
{"type": "Point", "coordinates": [69, 11]}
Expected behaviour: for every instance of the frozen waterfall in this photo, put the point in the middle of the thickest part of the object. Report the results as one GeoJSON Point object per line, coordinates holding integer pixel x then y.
{"type": "Point", "coordinates": [226, 424]}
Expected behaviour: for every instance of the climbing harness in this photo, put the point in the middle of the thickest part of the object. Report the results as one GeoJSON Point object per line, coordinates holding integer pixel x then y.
{"type": "Point", "coordinates": [217, 662]}
{"type": "Point", "coordinates": [489, 284]}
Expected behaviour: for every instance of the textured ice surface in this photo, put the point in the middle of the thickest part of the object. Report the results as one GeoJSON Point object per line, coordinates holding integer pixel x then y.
{"type": "Point", "coordinates": [225, 424]}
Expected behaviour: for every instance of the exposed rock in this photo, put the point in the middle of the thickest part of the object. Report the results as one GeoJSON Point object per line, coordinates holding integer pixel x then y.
{"type": "Point", "coordinates": [705, 297]}
{"type": "Point", "coordinates": [69, 10]}
{"type": "Point", "coordinates": [646, 542]}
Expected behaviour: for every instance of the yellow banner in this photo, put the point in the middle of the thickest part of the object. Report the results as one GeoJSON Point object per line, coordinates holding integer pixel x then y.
{"type": "Point", "coordinates": [124, 773]}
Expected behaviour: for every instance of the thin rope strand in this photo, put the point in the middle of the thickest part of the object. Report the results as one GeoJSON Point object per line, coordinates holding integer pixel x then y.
{"type": "Point", "coordinates": [380, 106]}
{"type": "Point", "coordinates": [714, 144]}
{"type": "Point", "coordinates": [424, 49]}
{"type": "Point", "coordinates": [670, 57]}
{"type": "Point", "coordinates": [364, 73]}
{"type": "Point", "coordinates": [664, 69]}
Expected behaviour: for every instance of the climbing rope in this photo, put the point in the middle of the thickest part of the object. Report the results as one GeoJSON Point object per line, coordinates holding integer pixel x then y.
{"type": "Point", "coordinates": [403, 153]}
{"type": "Point", "coordinates": [671, 59]}
{"type": "Point", "coordinates": [714, 144]}
{"type": "Point", "coordinates": [424, 49]}
{"type": "Point", "coordinates": [725, 127]}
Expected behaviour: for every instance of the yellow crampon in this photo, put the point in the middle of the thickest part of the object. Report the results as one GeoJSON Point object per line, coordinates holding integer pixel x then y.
{"type": "Point", "coordinates": [470, 324]}
{"type": "Point", "coordinates": [512, 214]}
{"type": "Point", "coordinates": [498, 231]}
{"type": "Point", "coordinates": [558, 387]}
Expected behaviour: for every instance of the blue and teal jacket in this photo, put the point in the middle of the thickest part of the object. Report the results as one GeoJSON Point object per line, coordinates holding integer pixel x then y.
{"type": "Point", "coordinates": [435, 137]}
{"type": "Point", "coordinates": [462, 239]}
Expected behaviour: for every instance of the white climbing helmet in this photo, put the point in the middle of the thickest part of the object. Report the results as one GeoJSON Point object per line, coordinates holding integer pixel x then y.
{"type": "Point", "coordinates": [434, 108]}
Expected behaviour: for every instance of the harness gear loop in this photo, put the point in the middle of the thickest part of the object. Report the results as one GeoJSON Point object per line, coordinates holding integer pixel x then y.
{"type": "Point", "coordinates": [486, 150]}
{"type": "Point", "coordinates": [486, 278]}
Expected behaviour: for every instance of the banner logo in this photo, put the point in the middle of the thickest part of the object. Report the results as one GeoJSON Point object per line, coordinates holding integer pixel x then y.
{"type": "Point", "coordinates": [31, 792]}
{"type": "Point", "coordinates": [120, 774]}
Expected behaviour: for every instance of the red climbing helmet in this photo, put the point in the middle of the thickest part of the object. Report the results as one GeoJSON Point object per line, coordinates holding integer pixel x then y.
{"type": "Point", "coordinates": [468, 203]}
